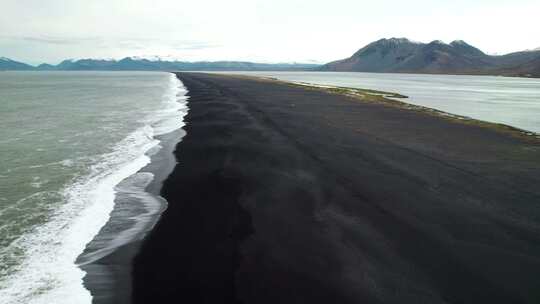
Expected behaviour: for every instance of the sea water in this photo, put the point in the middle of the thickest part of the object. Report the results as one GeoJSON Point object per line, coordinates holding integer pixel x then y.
{"type": "Point", "coordinates": [70, 143]}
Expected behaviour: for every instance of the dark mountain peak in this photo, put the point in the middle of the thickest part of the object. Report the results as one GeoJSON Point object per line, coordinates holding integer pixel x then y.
{"type": "Point", "coordinates": [66, 62]}
{"type": "Point", "coordinates": [459, 42]}
{"type": "Point", "coordinates": [93, 61]}
{"type": "Point", "coordinates": [437, 43]}
{"type": "Point", "coordinates": [385, 46]}
{"type": "Point", "coordinates": [135, 60]}
{"type": "Point", "coordinates": [466, 48]}
{"type": "Point", "coordinates": [10, 64]}
{"type": "Point", "coordinates": [381, 55]}
{"type": "Point", "coordinates": [83, 64]}
{"type": "Point", "coordinates": [436, 46]}
{"type": "Point", "coordinates": [456, 48]}
{"type": "Point", "coordinates": [392, 42]}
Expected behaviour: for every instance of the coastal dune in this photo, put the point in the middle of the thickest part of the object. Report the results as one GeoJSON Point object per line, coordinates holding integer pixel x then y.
{"type": "Point", "coordinates": [285, 194]}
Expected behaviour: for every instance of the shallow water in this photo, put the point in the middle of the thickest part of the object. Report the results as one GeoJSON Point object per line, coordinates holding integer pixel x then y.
{"type": "Point", "coordinates": [67, 139]}
{"type": "Point", "coordinates": [507, 100]}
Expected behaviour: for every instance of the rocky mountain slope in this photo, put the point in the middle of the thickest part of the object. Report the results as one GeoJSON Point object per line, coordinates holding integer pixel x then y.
{"type": "Point", "coordinates": [458, 57]}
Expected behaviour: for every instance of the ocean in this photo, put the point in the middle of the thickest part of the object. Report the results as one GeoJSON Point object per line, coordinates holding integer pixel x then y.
{"type": "Point", "coordinates": [507, 100]}
{"type": "Point", "coordinates": [70, 144]}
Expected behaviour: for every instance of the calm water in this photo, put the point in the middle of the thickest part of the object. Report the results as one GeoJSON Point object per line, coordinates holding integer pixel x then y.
{"type": "Point", "coordinates": [511, 101]}
{"type": "Point", "coordinates": [66, 140]}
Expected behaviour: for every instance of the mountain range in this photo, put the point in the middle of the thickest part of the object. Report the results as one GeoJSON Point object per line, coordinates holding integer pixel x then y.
{"type": "Point", "coordinates": [394, 55]}
{"type": "Point", "coordinates": [8, 64]}
{"type": "Point", "coordinates": [400, 55]}
{"type": "Point", "coordinates": [142, 64]}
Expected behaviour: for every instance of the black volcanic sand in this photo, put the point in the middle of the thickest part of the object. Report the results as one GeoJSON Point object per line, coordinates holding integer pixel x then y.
{"type": "Point", "coordinates": [288, 195]}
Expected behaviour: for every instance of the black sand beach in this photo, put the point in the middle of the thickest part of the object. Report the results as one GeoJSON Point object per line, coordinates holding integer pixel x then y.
{"type": "Point", "coordinates": [288, 195]}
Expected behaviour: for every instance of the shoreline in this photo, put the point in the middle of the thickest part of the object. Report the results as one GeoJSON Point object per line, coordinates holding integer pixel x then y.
{"type": "Point", "coordinates": [396, 100]}
{"type": "Point", "coordinates": [137, 207]}
{"type": "Point", "coordinates": [212, 71]}
{"type": "Point", "coordinates": [370, 203]}
{"type": "Point", "coordinates": [109, 278]}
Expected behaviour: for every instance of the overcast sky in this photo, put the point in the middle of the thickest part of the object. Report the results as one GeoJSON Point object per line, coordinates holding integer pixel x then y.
{"type": "Point", "coordinates": [38, 31]}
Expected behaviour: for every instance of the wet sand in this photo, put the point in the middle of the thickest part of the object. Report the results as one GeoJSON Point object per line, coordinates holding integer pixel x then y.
{"type": "Point", "coordinates": [109, 279]}
{"type": "Point", "coordinates": [287, 195]}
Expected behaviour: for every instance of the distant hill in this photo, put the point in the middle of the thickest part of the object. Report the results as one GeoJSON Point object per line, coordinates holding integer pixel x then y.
{"type": "Point", "coordinates": [45, 67]}
{"type": "Point", "coordinates": [400, 55]}
{"type": "Point", "coordinates": [12, 65]}
{"type": "Point", "coordinates": [141, 64]}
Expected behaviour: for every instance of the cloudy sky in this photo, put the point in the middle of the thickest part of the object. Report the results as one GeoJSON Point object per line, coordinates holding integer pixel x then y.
{"type": "Point", "coordinates": [38, 31]}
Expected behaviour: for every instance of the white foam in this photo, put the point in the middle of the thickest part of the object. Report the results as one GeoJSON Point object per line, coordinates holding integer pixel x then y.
{"type": "Point", "coordinates": [174, 101]}
{"type": "Point", "coordinates": [132, 188]}
{"type": "Point", "coordinates": [49, 274]}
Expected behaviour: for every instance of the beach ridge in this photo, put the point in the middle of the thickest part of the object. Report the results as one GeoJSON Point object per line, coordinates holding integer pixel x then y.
{"type": "Point", "coordinates": [394, 99]}
{"type": "Point", "coordinates": [288, 195]}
